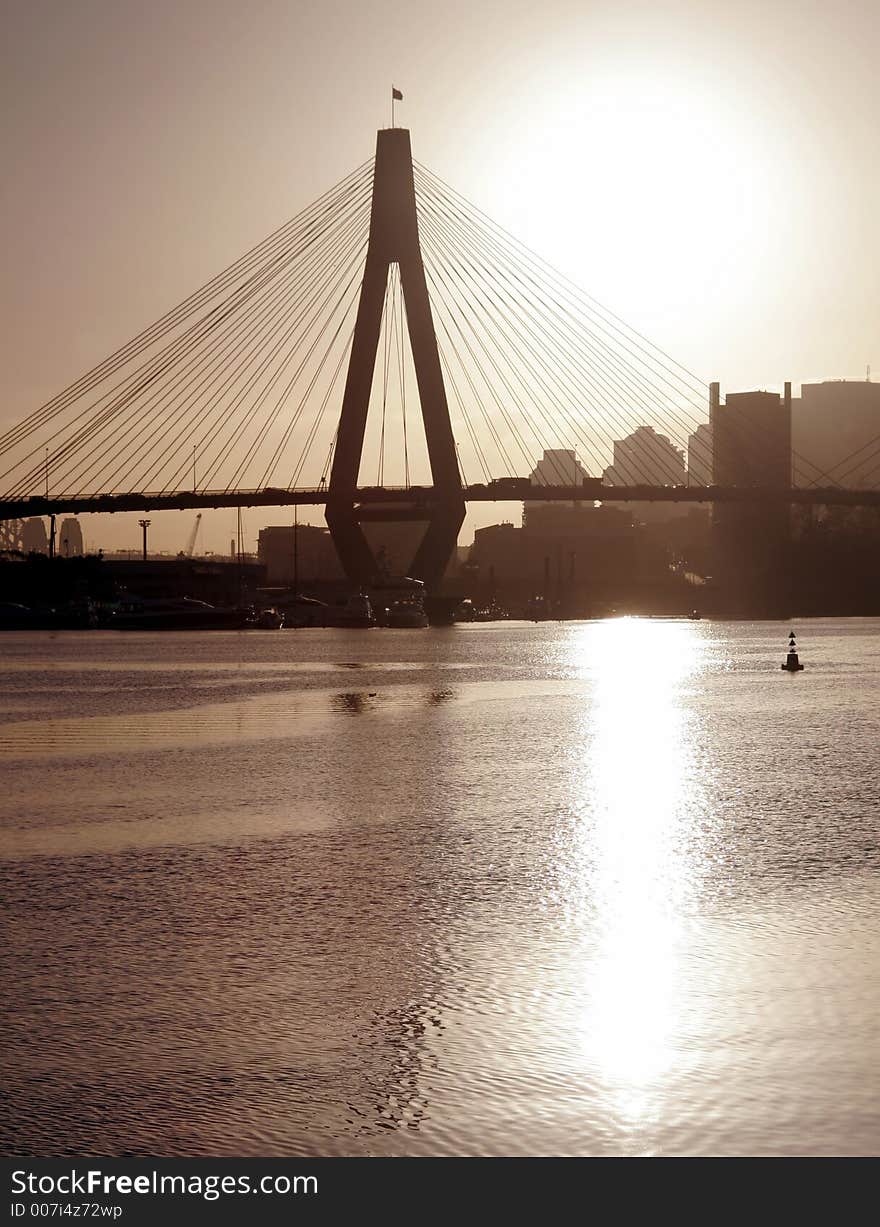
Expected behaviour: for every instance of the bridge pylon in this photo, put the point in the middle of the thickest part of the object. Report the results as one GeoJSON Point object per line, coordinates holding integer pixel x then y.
{"type": "Point", "coordinates": [394, 238]}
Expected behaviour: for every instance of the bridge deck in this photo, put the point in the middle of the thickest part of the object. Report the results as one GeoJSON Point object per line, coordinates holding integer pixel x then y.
{"type": "Point", "coordinates": [414, 497]}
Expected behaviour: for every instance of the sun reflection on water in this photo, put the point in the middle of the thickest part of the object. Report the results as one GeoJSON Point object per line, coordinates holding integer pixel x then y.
{"type": "Point", "coordinates": [638, 806]}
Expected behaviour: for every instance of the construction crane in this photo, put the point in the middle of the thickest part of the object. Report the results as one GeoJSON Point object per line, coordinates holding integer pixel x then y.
{"type": "Point", "coordinates": [191, 544]}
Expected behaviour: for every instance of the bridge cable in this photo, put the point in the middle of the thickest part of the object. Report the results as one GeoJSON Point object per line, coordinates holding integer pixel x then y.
{"type": "Point", "coordinates": [155, 366]}
{"type": "Point", "coordinates": [306, 292]}
{"type": "Point", "coordinates": [181, 311]}
{"type": "Point", "coordinates": [492, 227]}
{"type": "Point", "coordinates": [503, 323]}
{"type": "Point", "coordinates": [244, 328]}
{"type": "Point", "coordinates": [530, 303]}
{"type": "Point", "coordinates": [152, 373]}
{"type": "Point", "coordinates": [518, 349]}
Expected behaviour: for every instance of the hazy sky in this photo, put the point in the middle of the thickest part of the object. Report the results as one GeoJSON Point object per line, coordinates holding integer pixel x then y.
{"type": "Point", "coordinates": [709, 170]}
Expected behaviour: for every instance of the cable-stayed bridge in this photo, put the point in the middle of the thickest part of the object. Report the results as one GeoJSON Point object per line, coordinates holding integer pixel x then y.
{"type": "Point", "coordinates": [389, 353]}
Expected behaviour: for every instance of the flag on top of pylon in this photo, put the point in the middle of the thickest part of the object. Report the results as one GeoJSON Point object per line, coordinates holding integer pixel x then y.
{"type": "Point", "coordinates": [395, 93]}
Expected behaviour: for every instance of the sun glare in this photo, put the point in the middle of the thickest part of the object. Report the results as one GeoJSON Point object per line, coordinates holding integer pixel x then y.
{"type": "Point", "coordinates": [640, 793]}
{"type": "Point", "coordinates": [660, 189]}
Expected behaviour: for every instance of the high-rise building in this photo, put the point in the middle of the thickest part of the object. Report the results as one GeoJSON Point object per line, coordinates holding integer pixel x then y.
{"type": "Point", "coordinates": [700, 456]}
{"type": "Point", "coordinates": [833, 425]}
{"type": "Point", "coordinates": [559, 466]}
{"type": "Point", "coordinates": [751, 439]}
{"type": "Point", "coordinates": [646, 458]}
{"type": "Point", "coordinates": [751, 446]}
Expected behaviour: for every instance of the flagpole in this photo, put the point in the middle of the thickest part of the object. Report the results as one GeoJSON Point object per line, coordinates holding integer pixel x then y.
{"type": "Point", "coordinates": [392, 106]}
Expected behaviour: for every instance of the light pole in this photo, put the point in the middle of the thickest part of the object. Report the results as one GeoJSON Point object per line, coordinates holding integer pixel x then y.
{"type": "Point", "coordinates": [145, 524]}
{"type": "Point", "coordinates": [295, 552]}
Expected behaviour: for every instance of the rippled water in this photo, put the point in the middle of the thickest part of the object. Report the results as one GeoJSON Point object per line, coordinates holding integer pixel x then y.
{"type": "Point", "coordinates": [596, 888]}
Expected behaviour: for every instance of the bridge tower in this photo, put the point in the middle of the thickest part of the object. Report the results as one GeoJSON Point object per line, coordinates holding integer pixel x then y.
{"type": "Point", "coordinates": [394, 238]}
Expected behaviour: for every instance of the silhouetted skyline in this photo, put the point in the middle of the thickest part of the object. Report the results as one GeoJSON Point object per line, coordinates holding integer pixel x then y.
{"type": "Point", "coordinates": [146, 148]}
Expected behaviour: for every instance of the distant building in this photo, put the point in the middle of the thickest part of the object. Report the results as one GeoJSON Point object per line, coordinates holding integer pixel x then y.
{"type": "Point", "coordinates": [218, 581]}
{"type": "Point", "coordinates": [559, 466]}
{"type": "Point", "coordinates": [699, 472]}
{"type": "Point", "coordinates": [831, 426]}
{"type": "Point", "coordinates": [316, 557]}
{"type": "Point", "coordinates": [646, 458]}
{"type": "Point", "coordinates": [751, 446]}
{"type": "Point", "coordinates": [394, 544]}
{"type": "Point", "coordinates": [572, 556]}
{"type": "Point", "coordinates": [751, 439]}
{"type": "Point", "coordinates": [497, 553]}
{"type": "Point", "coordinates": [70, 539]}
{"type": "Point", "coordinates": [574, 519]}
{"type": "Point", "coordinates": [34, 538]}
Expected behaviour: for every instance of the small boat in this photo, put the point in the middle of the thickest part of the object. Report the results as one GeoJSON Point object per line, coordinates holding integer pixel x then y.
{"type": "Point", "coordinates": [357, 612]}
{"type": "Point", "coordinates": [792, 664]}
{"type": "Point", "coordinates": [490, 613]}
{"type": "Point", "coordinates": [538, 609]}
{"type": "Point", "coordinates": [15, 617]}
{"type": "Point", "coordinates": [299, 611]}
{"type": "Point", "coordinates": [173, 614]}
{"type": "Point", "coordinates": [270, 619]}
{"type": "Point", "coordinates": [410, 614]}
{"type": "Point", "coordinates": [399, 600]}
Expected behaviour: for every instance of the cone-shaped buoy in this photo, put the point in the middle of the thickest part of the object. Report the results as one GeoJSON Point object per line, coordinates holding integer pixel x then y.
{"type": "Point", "coordinates": [791, 663]}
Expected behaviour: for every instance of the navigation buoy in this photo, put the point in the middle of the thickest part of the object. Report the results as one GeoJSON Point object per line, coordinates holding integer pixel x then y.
{"type": "Point", "coordinates": [792, 664]}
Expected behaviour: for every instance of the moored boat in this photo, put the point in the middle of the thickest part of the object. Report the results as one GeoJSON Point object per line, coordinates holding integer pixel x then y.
{"type": "Point", "coordinates": [407, 614]}
{"type": "Point", "coordinates": [177, 615]}
{"type": "Point", "coordinates": [14, 617]}
{"type": "Point", "coordinates": [356, 613]}
{"type": "Point", "coordinates": [270, 619]}
{"type": "Point", "coordinates": [300, 611]}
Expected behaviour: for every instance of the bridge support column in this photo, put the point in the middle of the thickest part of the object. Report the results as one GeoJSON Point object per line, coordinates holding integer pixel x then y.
{"type": "Point", "coordinates": [394, 238]}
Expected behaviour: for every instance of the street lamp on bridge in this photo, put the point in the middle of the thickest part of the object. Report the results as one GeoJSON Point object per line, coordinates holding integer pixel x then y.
{"type": "Point", "coordinates": [145, 524]}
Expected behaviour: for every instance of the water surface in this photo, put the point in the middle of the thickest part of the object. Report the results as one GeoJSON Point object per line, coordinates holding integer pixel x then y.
{"type": "Point", "coordinates": [583, 888]}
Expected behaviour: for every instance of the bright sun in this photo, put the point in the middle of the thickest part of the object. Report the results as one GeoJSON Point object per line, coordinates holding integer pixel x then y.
{"type": "Point", "coordinates": [661, 197]}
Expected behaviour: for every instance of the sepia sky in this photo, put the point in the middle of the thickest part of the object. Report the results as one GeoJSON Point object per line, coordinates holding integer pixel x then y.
{"type": "Point", "coordinates": [710, 171]}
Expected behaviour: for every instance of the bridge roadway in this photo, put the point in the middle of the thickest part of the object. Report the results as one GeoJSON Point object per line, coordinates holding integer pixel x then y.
{"type": "Point", "coordinates": [412, 501]}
